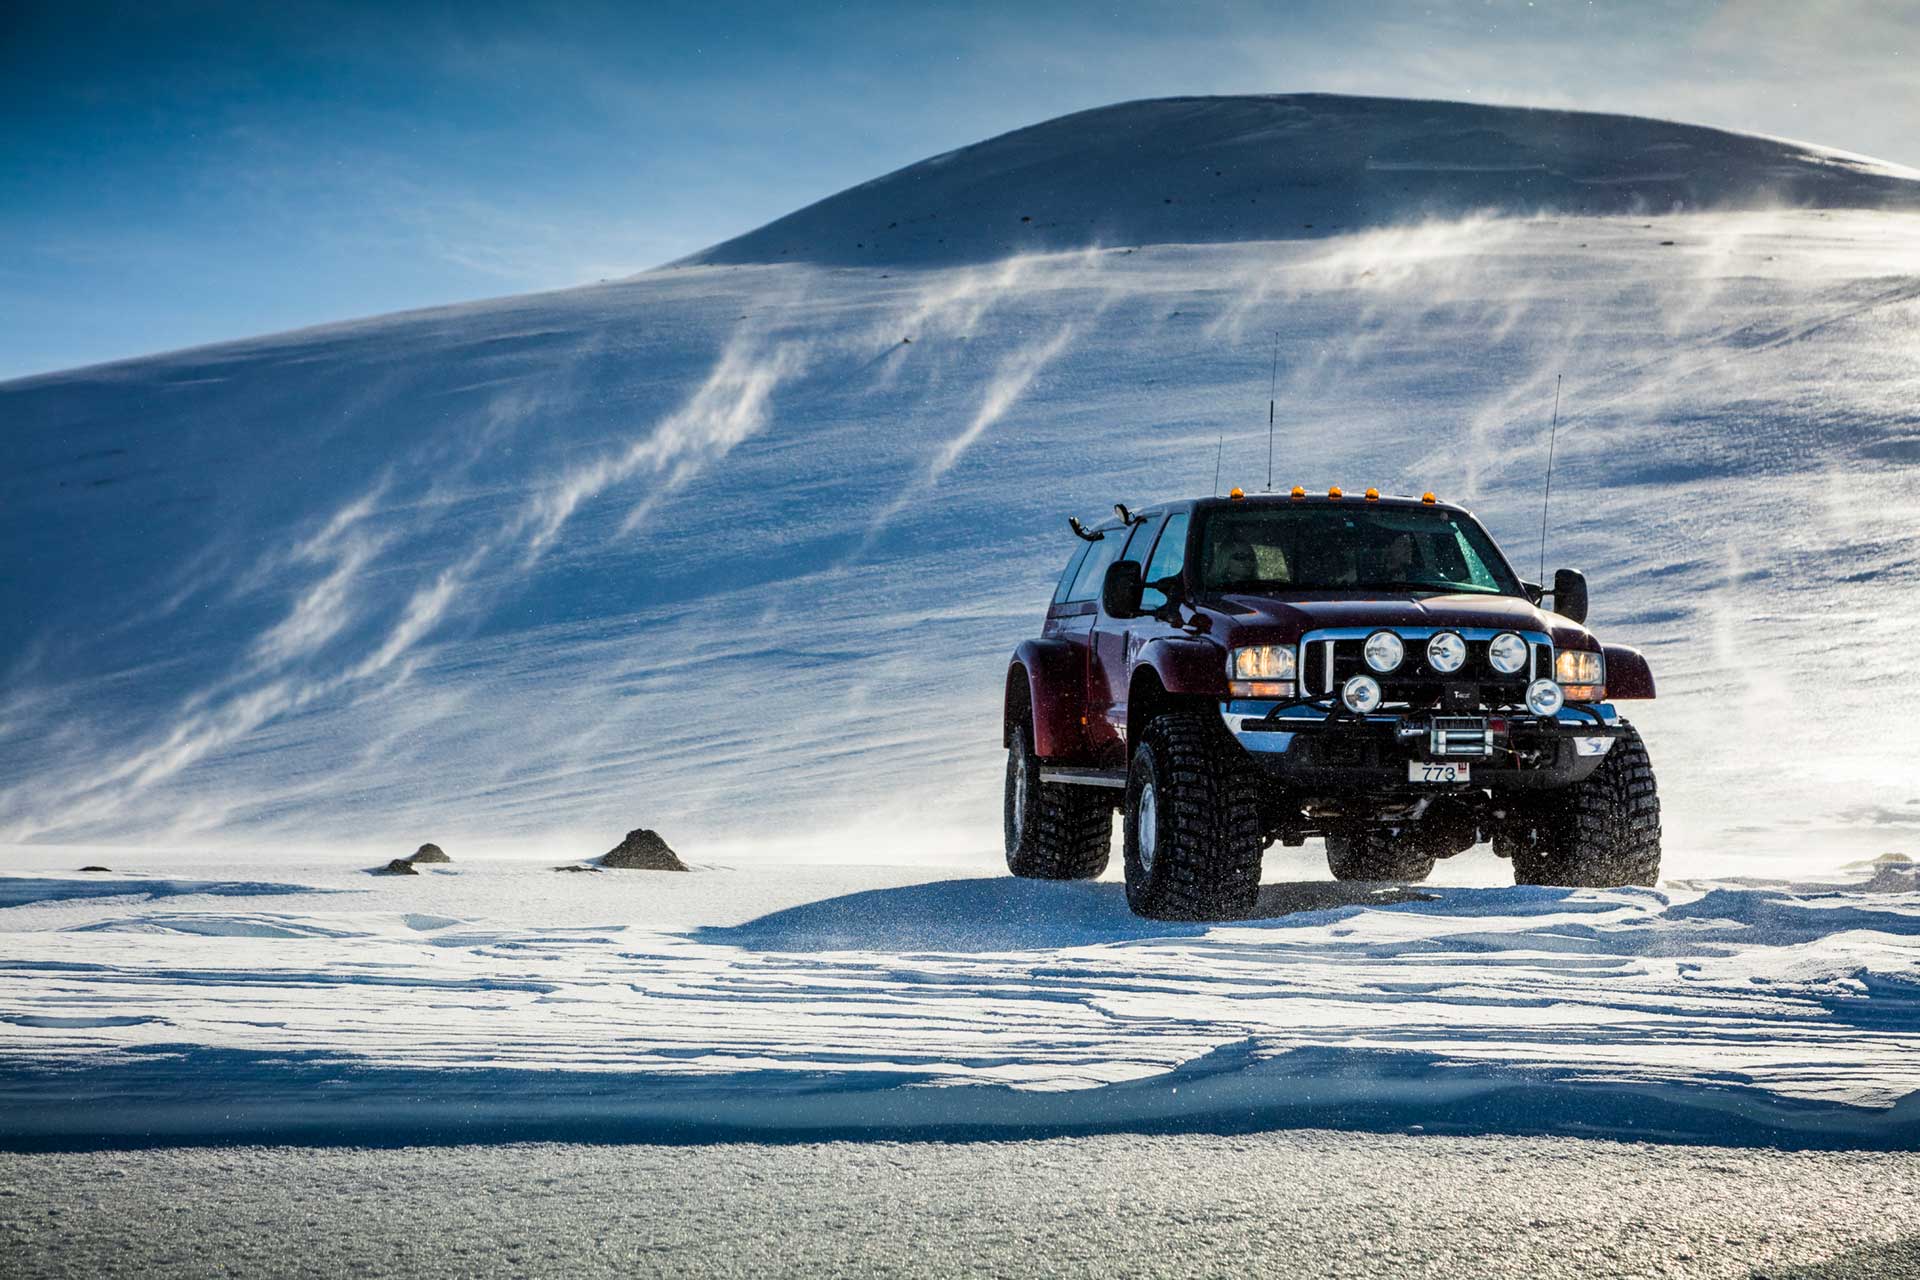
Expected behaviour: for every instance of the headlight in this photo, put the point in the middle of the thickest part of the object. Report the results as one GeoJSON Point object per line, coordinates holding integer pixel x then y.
{"type": "Point", "coordinates": [1579, 666]}
{"type": "Point", "coordinates": [1507, 653]}
{"type": "Point", "coordinates": [1361, 694]}
{"type": "Point", "coordinates": [1582, 674]}
{"type": "Point", "coordinates": [1446, 653]}
{"type": "Point", "coordinates": [1263, 662]}
{"type": "Point", "coordinates": [1544, 698]}
{"type": "Point", "coordinates": [1384, 651]}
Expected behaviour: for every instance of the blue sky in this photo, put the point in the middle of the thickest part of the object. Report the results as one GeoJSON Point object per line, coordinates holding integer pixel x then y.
{"type": "Point", "coordinates": [172, 174]}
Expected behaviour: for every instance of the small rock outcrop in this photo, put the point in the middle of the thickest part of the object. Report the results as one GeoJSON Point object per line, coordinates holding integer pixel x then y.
{"type": "Point", "coordinates": [643, 850]}
{"type": "Point", "coordinates": [96, 868]}
{"type": "Point", "coordinates": [429, 853]}
{"type": "Point", "coordinates": [1894, 877]}
{"type": "Point", "coordinates": [398, 867]}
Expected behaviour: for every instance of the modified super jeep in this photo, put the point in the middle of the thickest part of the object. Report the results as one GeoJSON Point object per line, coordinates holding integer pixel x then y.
{"type": "Point", "coordinates": [1370, 670]}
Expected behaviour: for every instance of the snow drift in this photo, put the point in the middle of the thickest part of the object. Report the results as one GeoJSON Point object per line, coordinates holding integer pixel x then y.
{"type": "Point", "coordinates": [493, 999]}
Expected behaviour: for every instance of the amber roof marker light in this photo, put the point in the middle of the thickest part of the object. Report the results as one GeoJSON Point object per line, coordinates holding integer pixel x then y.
{"type": "Point", "coordinates": [1334, 492]}
{"type": "Point", "coordinates": [1373, 495]}
{"type": "Point", "coordinates": [1428, 498]}
{"type": "Point", "coordinates": [1299, 492]}
{"type": "Point", "coordinates": [1235, 494]}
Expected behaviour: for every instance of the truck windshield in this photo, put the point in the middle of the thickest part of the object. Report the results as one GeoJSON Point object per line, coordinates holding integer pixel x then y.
{"type": "Point", "coordinates": [1349, 547]}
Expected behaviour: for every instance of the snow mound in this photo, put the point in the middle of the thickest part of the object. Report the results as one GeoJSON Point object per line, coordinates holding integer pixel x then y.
{"type": "Point", "coordinates": [1209, 170]}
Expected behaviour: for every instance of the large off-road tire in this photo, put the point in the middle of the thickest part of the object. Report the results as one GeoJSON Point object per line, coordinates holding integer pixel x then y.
{"type": "Point", "coordinates": [1055, 831]}
{"type": "Point", "coordinates": [1193, 837]}
{"type": "Point", "coordinates": [1602, 833]}
{"type": "Point", "coordinates": [1375, 853]}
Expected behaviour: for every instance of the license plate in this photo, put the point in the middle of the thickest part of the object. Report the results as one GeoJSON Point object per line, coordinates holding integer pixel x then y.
{"type": "Point", "coordinates": [1438, 771]}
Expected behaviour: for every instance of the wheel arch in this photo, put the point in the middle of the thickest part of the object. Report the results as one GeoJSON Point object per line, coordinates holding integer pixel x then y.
{"type": "Point", "coordinates": [1174, 675]}
{"type": "Point", "coordinates": [1628, 675]}
{"type": "Point", "coordinates": [1046, 690]}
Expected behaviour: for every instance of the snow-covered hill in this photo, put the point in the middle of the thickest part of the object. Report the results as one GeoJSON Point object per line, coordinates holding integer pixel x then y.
{"type": "Point", "coordinates": [738, 551]}
{"type": "Point", "coordinates": [1287, 167]}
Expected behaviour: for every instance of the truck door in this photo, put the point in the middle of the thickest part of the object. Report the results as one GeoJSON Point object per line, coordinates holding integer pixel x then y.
{"type": "Point", "coordinates": [1115, 640]}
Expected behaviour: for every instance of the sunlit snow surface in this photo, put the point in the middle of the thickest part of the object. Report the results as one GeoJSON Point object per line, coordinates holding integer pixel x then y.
{"type": "Point", "coordinates": [501, 997]}
{"type": "Point", "coordinates": [717, 550]}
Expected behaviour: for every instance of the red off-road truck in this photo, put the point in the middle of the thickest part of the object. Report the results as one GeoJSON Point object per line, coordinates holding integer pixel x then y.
{"type": "Point", "coordinates": [1369, 670]}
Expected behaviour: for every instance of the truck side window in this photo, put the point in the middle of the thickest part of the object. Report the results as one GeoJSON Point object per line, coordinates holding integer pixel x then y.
{"type": "Point", "coordinates": [1073, 564]}
{"type": "Point", "coordinates": [1093, 569]}
{"type": "Point", "coordinates": [1169, 557]}
{"type": "Point", "coordinates": [1140, 542]}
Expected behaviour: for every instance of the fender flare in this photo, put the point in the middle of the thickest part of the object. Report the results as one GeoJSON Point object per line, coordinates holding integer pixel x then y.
{"type": "Point", "coordinates": [1053, 674]}
{"type": "Point", "coordinates": [1628, 675]}
{"type": "Point", "coordinates": [1187, 667]}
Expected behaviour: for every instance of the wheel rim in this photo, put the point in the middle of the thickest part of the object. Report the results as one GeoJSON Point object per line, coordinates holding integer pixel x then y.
{"type": "Point", "coordinates": [1146, 825]}
{"type": "Point", "coordinates": [1017, 762]}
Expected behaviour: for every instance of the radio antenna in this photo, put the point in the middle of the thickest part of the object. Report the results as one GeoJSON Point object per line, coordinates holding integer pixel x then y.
{"type": "Point", "coordinates": [1218, 449]}
{"type": "Point", "coordinates": [1553, 435]}
{"type": "Point", "coordinates": [1273, 385]}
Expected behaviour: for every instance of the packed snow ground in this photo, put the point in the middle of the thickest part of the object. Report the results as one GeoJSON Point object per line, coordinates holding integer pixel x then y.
{"type": "Point", "coordinates": [186, 1000]}
{"type": "Point", "coordinates": [1302, 1204]}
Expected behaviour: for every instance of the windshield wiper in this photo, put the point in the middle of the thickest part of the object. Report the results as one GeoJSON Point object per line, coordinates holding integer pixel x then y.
{"type": "Point", "coordinates": [1439, 588]}
{"type": "Point", "coordinates": [1445, 588]}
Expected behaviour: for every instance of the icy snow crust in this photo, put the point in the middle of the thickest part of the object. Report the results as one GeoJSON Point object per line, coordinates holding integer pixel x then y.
{"type": "Point", "coordinates": [501, 1000]}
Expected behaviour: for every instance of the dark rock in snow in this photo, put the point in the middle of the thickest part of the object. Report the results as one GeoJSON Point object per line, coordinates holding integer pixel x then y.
{"type": "Point", "coordinates": [96, 868]}
{"type": "Point", "coordinates": [643, 850]}
{"type": "Point", "coordinates": [1894, 878]}
{"type": "Point", "coordinates": [398, 867]}
{"type": "Point", "coordinates": [429, 853]}
{"type": "Point", "coordinates": [578, 866]}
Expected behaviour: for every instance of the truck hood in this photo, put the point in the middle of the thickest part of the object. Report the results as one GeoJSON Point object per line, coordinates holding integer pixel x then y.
{"type": "Point", "coordinates": [1269, 620]}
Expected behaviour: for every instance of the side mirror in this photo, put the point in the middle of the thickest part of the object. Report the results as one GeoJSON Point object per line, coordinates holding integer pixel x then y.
{"type": "Point", "coordinates": [1120, 593]}
{"type": "Point", "coordinates": [1570, 594]}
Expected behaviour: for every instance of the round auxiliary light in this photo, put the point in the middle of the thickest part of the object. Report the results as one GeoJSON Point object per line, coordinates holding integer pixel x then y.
{"type": "Point", "coordinates": [1298, 492]}
{"type": "Point", "coordinates": [1362, 694]}
{"type": "Point", "coordinates": [1544, 698]}
{"type": "Point", "coordinates": [1384, 651]}
{"type": "Point", "coordinates": [1446, 653]}
{"type": "Point", "coordinates": [1507, 653]}
{"type": "Point", "coordinates": [1334, 492]}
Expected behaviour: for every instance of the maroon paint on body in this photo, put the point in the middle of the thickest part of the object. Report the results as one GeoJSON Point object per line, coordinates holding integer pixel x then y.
{"type": "Point", "coordinates": [1078, 680]}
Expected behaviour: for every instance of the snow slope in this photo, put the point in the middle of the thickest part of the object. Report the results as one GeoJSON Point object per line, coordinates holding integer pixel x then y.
{"type": "Point", "coordinates": [719, 550]}
{"type": "Point", "coordinates": [494, 998]}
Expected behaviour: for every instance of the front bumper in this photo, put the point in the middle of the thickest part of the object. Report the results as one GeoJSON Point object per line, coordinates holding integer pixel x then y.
{"type": "Point", "coordinates": [1318, 745]}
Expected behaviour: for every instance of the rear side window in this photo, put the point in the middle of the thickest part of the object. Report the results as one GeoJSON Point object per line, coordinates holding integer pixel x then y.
{"type": "Point", "coordinates": [1169, 557]}
{"type": "Point", "coordinates": [1093, 569]}
{"type": "Point", "coordinates": [1066, 575]}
